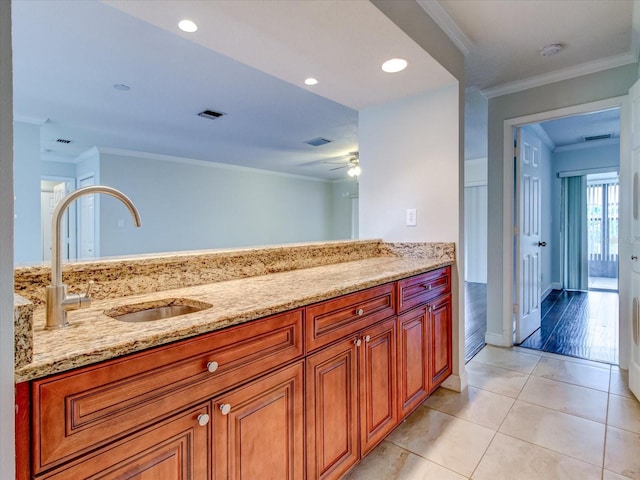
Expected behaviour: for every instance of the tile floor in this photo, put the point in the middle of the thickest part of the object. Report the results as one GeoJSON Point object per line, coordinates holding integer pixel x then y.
{"type": "Point", "coordinates": [525, 415]}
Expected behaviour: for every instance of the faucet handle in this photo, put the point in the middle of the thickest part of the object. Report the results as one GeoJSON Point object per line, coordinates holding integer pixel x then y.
{"type": "Point", "coordinates": [85, 300]}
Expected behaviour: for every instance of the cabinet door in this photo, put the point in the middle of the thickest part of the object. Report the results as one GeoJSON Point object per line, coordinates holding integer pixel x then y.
{"type": "Point", "coordinates": [413, 360]}
{"type": "Point", "coordinates": [378, 387]}
{"type": "Point", "coordinates": [332, 410]}
{"type": "Point", "coordinates": [258, 429]}
{"type": "Point", "coordinates": [439, 340]}
{"type": "Point", "coordinates": [176, 448]}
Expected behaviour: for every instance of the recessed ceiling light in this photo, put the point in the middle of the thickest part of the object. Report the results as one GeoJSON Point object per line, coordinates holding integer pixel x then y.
{"type": "Point", "coordinates": [311, 81]}
{"type": "Point", "coordinates": [551, 49]}
{"type": "Point", "coordinates": [187, 26]}
{"type": "Point", "coordinates": [394, 65]}
{"type": "Point", "coordinates": [122, 87]}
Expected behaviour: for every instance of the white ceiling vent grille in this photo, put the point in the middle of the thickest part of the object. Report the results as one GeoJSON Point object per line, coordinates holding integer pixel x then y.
{"type": "Point", "coordinates": [604, 136]}
{"type": "Point", "coordinates": [210, 114]}
{"type": "Point", "coordinates": [63, 140]}
{"type": "Point", "coordinates": [316, 142]}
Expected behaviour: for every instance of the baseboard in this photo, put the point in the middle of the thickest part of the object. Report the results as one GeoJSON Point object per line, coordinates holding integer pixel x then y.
{"type": "Point", "coordinates": [456, 383]}
{"type": "Point", "coordinates": [634, 378]}
{"type": "Point", "coordinates": [546, 292]}
{"type": "Point", "coordinates": [498, 340]}
{"type": "Point", "coordinates": [556, 286]}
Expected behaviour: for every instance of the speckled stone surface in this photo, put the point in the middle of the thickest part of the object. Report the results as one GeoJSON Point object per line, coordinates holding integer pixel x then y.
{"type": "Point", "coordinates": [23, 331]}
{"type": "Point", "coordinates": [116, 277]}
{"type": "Point", "coordinates": [93, 336]}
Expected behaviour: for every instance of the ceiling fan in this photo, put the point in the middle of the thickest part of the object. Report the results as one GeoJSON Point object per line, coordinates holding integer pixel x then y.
{"type": "Point", "coordinates": [350, 161]}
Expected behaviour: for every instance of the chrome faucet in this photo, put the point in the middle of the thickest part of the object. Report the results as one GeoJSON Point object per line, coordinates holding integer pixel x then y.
{"type": "Point", "coordinates": [58, 301]}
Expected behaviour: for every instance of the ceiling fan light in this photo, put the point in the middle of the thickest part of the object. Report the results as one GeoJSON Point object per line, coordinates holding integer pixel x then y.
{"type": "Point", "coordinates": [357, 171]}
{"type": "Point", "coordinates": [351, 172]}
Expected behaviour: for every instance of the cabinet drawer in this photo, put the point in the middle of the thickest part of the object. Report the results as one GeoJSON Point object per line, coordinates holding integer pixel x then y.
{"type": "Point", "coordinates": [174, 448]}
{"type": "Point", "coordinates": [84, 409]}
{"type": "Point", "coordinates": [333, 319]}
{"type": "Point", "coordinates": [419, 289]}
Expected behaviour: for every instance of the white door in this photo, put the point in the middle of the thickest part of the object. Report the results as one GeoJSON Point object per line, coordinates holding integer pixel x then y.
{"type": "Point", "coordinates": [527, 234]}
{"type": "Point", "coordinates": [86, 222]}
{"type": "Point", "coordinates": [634, 360]}
{"type": "Point", "coordinates": [59, 192]}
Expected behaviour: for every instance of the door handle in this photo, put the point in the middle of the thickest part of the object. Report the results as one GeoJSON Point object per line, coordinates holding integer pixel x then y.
{"type": "Point", "coordinates": [542, 244]}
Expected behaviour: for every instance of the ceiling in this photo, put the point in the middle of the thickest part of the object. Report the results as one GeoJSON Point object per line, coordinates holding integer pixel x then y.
{"type": "Point", "coordinates": [571, 130]}
{"type": "Point", "coordinates": [502, 38]}
{"type": "Point", "coordinates": [248, 60]}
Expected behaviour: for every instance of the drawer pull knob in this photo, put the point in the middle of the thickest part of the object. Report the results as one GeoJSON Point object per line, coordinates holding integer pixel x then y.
{"type": "Point", "coordinates": [360, 312]}
{"type": "Point", "coordinates": [428, 287]}
{"type": "Point", "coordinates": [367, 338]}
{"type": "Point", "coordinates": [212, 366]}
{"type": "Point", "coordinates": [430, 309]}
{"type": "Point", "coordinates": [357, 342]}
{"type": "Point", "coordinates": [203, 419]}
{"type": "Point", "coordinates": [225, 408]}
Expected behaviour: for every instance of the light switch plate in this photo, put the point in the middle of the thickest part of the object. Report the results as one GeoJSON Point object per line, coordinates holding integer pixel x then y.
{"type": "Point", "coordinates": [412, 219]}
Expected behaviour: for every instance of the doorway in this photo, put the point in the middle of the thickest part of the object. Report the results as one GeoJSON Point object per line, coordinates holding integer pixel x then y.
{"type": "Point", "coordinates": [572, 284]}
{"type": "Point", "coordinates": [52, 190]}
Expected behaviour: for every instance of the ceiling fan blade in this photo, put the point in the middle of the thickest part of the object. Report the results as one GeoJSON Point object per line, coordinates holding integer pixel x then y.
{"type": "Point", "coordinates": [338, 168]}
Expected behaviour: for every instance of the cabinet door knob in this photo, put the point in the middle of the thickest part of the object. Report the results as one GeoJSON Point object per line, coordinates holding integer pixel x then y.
{"type": "Point", "coordinates": [430, 309]}
{"type": "Point", "coordinates": [367, 338]}
{"type": "Point", "coordinates": [212, 366]}
{"type": "Point", "coordinates": [203, 419]}
{"type": "Point", "coordinates": [360, 312]}
{"type": "Point", "coordinates": [428, 286]}
{"type": "Point", "coordinates": [225, 408]}
{"type": "Point", "coordinates": [357, 342]}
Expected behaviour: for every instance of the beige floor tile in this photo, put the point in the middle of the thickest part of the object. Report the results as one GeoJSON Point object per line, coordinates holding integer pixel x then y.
{"type": "Point", "coordinates": [563, 433]}
{"type": "Point", "coordinates": [495, 379]}
{"type": "Point", "coordinates": [509, 458]}
{"type": "Point", "coordinates": [575, 373]}
{"type": "Point", "coordinates": [567, 398]}
{"type": "Point", "coordinates": [451, 442]}
{"type": "Point", "coordinates": [622, 454]}
{"type": "Point", "coordinates": [388, 461]}
{"type": "Point", "coordinates": [478, 406]}
{"type": "Point", "coordinates": [624, 413]}
{"type": "Point", "coordinates": [620, 382]}
{"type": "Point", "coordinates": [582, 361]}
{"type": "Point", "coordinates": [607, 475]}
{"type": "Point", "coordinates": [507, 358]}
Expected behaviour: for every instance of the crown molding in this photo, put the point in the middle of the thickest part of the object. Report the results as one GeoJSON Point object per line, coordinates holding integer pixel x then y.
{"type": "Point", "coordinates": [562, 74]}
{"type": "Point", "coordinates": [120, 152]}
{"type": "Point", "coordinates": [439, 15]}
{"type": "Point", "coordinates": [543, 136]}
{"type": "Point", "coordinates": [586, 145]}
{"type": "Point", "coordinates": [39, 121]}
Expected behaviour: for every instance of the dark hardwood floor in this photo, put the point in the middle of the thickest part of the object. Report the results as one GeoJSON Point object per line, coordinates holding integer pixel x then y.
{"type": "Point", "coordinates": [475, 318]}
{"type": "Point", "coordinates": [578, 324]}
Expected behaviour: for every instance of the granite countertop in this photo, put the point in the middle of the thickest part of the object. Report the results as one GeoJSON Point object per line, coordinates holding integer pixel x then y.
{"type": "Point", "coordinates": [93, 336]}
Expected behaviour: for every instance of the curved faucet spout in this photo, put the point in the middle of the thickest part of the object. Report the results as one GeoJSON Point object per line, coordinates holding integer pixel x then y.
{"type": "Point", "coordinates": [58, 302]}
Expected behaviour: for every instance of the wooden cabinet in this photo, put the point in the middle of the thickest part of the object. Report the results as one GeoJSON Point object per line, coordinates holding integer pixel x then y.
{"type": "Point", "coordinates": [349, 384]}
{"type": "Point", "coordinates": [175, 449]}
{"type": "Point", "coordinates": [258, 429]}
{"type": "Point", "coordinates": [424, 337]}
{"type": "Point", "coordinates": [413, 359]}
{"type": "Point", "coordinates": [234, 404]}
{"type": "Point", "coordinates": [439, 334]}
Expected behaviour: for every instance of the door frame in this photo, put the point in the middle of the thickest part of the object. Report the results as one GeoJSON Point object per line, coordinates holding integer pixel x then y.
{"type": "Point", "coordinates": [71, 212]}
{"type": "Point", "coordinates": [509, 206]}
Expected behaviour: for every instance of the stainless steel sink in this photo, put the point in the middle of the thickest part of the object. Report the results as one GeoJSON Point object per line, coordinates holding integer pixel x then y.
{"type": "Point", "coordinates": [157, 310]}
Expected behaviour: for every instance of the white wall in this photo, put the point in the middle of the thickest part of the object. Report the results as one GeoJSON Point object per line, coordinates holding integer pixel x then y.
{"type": "Point", "coordinates": [342, 193]}
{"type": "Point", "coordinates": [194, 205]}
{"type": "Point", "coordinates": [410, 155]}
{"type": "Point", "coordinates": [409, 152]}
{"type": "Point", "coordinates": [27, 192]}
{"type": "Point", "coordinates": [588, 88]}
{"type": "Point", "coordinates": [7, 449]}
{"type": "Point", "coordinates": [572, 160]}
{"type": "Point", "coordinates": [475, 220]}
{"type": "Point", "coordinates": [475, 125]}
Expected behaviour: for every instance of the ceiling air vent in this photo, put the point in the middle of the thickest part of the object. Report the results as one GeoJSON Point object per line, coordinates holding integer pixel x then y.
{"type": "Point", "coordinates": [597, 137]}
{"type": "Point", "coordinates": [316, 142]}
{"type": "Point", "coordinates": [210, 114]}
{"type": "Point", "coordinates": [62, 140]}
